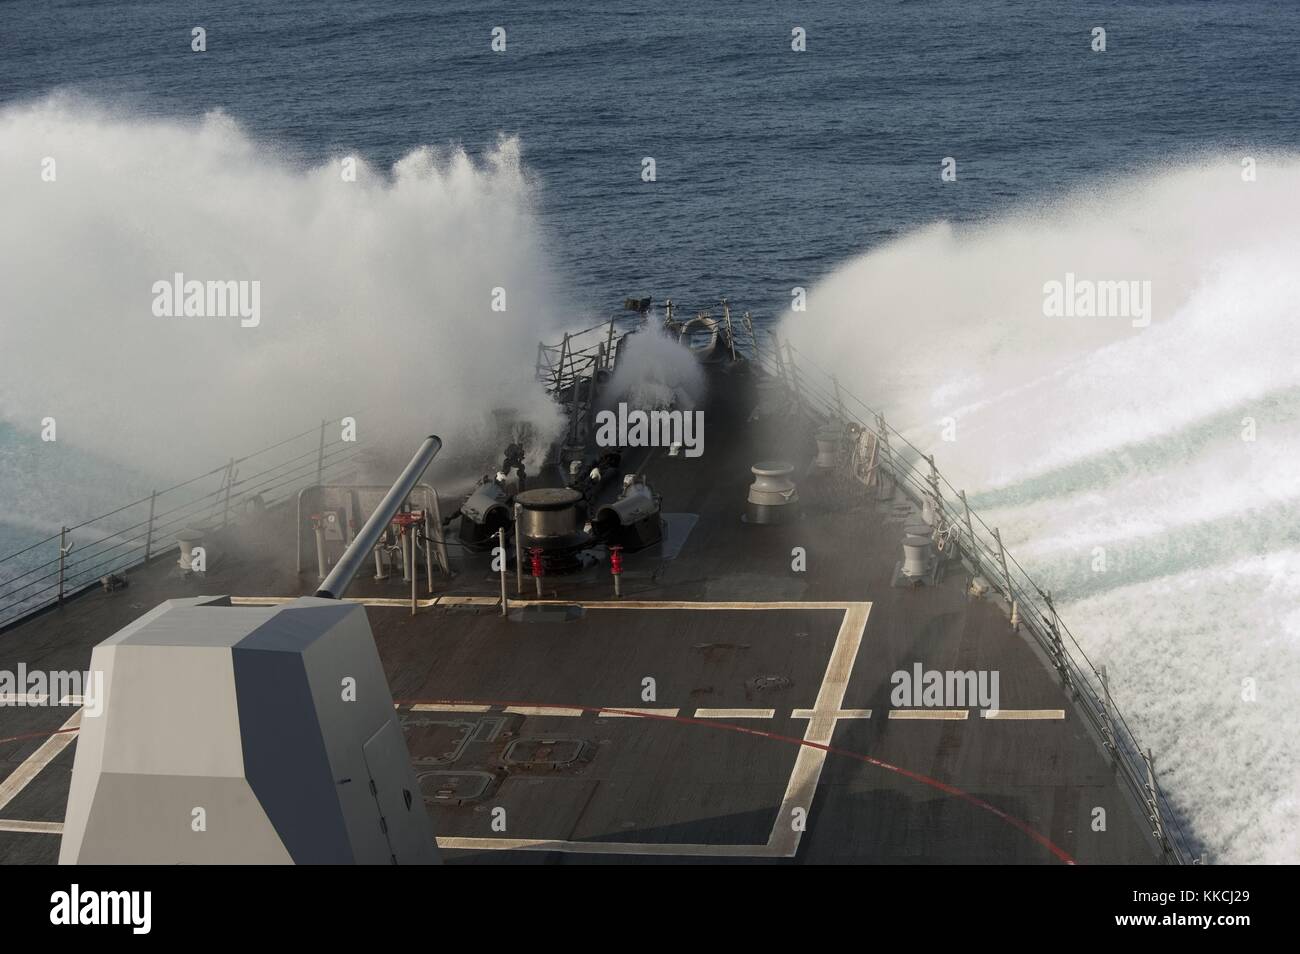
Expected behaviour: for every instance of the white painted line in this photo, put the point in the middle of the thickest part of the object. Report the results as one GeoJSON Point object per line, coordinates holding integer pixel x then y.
{"type": "Point", "coordinates": [20, 777]}
{"type": "Point", "coordinates": [734, 713]}
{"type": "Point", "coordinates": [449, 600]}
{"type": "Point", "coordinates": [544, 711]}
{"type": "Point", "coordinates": [605, 847]}
{"type": "Point", "coordinates": [943, 715]}
{"type": "Point", "coordinates": [1054, 714]}
{"type": "Point", "coordinates": [785, 837]}
{"type": "Point", "coordinates": [278, 600]}
{"type": "Point", "coordinates": [837, 714]}
{"type": "Point", "coordinates": [449, 707]}
{"type": "Point", "coordinates": [784, 840]}
{"type": "Point", "coordinates": [32, 827]}
{"type": "Point", "coordinates": [623, 712]}
{"type": "Point", "coordinates": [704, 604]}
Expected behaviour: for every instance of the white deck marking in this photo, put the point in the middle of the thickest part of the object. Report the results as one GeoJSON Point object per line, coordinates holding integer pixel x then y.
{"type": "Point", "coordinates": [702, 605]}
{"type": "Point", "coordinates": [22, 776]}
{"type": "Point", "coordinates": [449, 707]}
{"type": "Point", "coordinates": [603, 847]}
{"type": "Point", "coordinates": [545, 711]}
{"type": "Point", "coordinates": [838, 714]}
{"type": "Point", "coordinates": [449, 600]}
{"type": "Point", "coordinates": [362, 600]}
{"type": "Point", "coordinates": [784, 840]}
{"type": "Point", "coordinates": [942, 715]}
{"type": "Point", "coordinates": [999, 714]}
{"type": "Point", "coordinates": [626, 712]}
{"type": "Point", "coordinates": [31, 827]}
{"type": "Point", "coordinates": [734, 713]}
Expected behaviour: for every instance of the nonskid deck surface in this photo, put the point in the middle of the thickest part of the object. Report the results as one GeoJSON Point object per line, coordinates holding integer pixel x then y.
{"type": "Point", "coordinates": [728, 707]}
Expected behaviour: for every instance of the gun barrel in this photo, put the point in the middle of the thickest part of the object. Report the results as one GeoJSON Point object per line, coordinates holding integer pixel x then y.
{"type": "Point", "coordinates": [340, 578]}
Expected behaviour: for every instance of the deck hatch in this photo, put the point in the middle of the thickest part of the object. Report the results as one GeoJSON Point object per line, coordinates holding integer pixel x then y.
{"type": "Point", "coordinates": [545, 753]}
{"type": "Point", "coordinates": [437, 741]}
{"type": "Point", "coordinates": [455, 788]}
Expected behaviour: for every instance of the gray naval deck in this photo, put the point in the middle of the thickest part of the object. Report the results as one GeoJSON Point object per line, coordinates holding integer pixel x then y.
{"type": "Point", "coordinates": [769, 736]}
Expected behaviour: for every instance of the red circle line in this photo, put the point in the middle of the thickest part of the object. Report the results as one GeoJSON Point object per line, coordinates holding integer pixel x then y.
{"type": "Point", "coordinates": [934, 783]}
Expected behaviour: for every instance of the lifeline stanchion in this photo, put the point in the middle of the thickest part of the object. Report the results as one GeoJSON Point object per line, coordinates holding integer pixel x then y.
{"type": "Point", "coordinates": [501, 542]}
{"type": "Point", "coordinates": [406, 524]}
{"type": "Point", "coordinates": [318, 528]}
{"type": "Point", "coordinates": [616, 568]}
{"type": "Point", "coordinates": [535, 563]}
{"type": "Point", "coordinates": [519, 555]}
{"type": "Point", "coordinates": [64, 549]}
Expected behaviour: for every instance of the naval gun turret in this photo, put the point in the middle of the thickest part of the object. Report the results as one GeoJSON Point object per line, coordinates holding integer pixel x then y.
{"type": "Point", "coordinates": [230, 734]}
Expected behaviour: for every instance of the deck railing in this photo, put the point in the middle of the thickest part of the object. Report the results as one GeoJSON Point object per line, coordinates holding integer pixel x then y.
{"type": "Point", "coordinates": [573, 370]}
{"type": "Point", "coordinates": [817, 395]}
{"type": "Point", "coordinates": [51, 570]}
{"type": "Point", "coordinates": [578, 356]}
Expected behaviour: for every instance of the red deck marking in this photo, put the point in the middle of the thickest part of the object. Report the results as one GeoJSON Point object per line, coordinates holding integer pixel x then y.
{"type": "Point", "coordinates": [37, 735]}
{"type": "Point", "coordinates": [934, 783]}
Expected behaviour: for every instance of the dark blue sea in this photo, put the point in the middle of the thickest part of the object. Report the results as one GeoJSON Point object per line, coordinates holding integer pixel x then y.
{"type": "Point", "coordinates": [772, 166]}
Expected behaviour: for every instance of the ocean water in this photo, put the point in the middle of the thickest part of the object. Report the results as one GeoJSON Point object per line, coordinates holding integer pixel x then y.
{"type": "Point", "coordinates": [774, 169]}
{"type": "Point", "coordinates": [772, 166]}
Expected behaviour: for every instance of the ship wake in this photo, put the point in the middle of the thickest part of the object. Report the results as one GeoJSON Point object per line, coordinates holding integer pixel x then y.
{"type": "Point", "coordinates": [1143, 467]}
